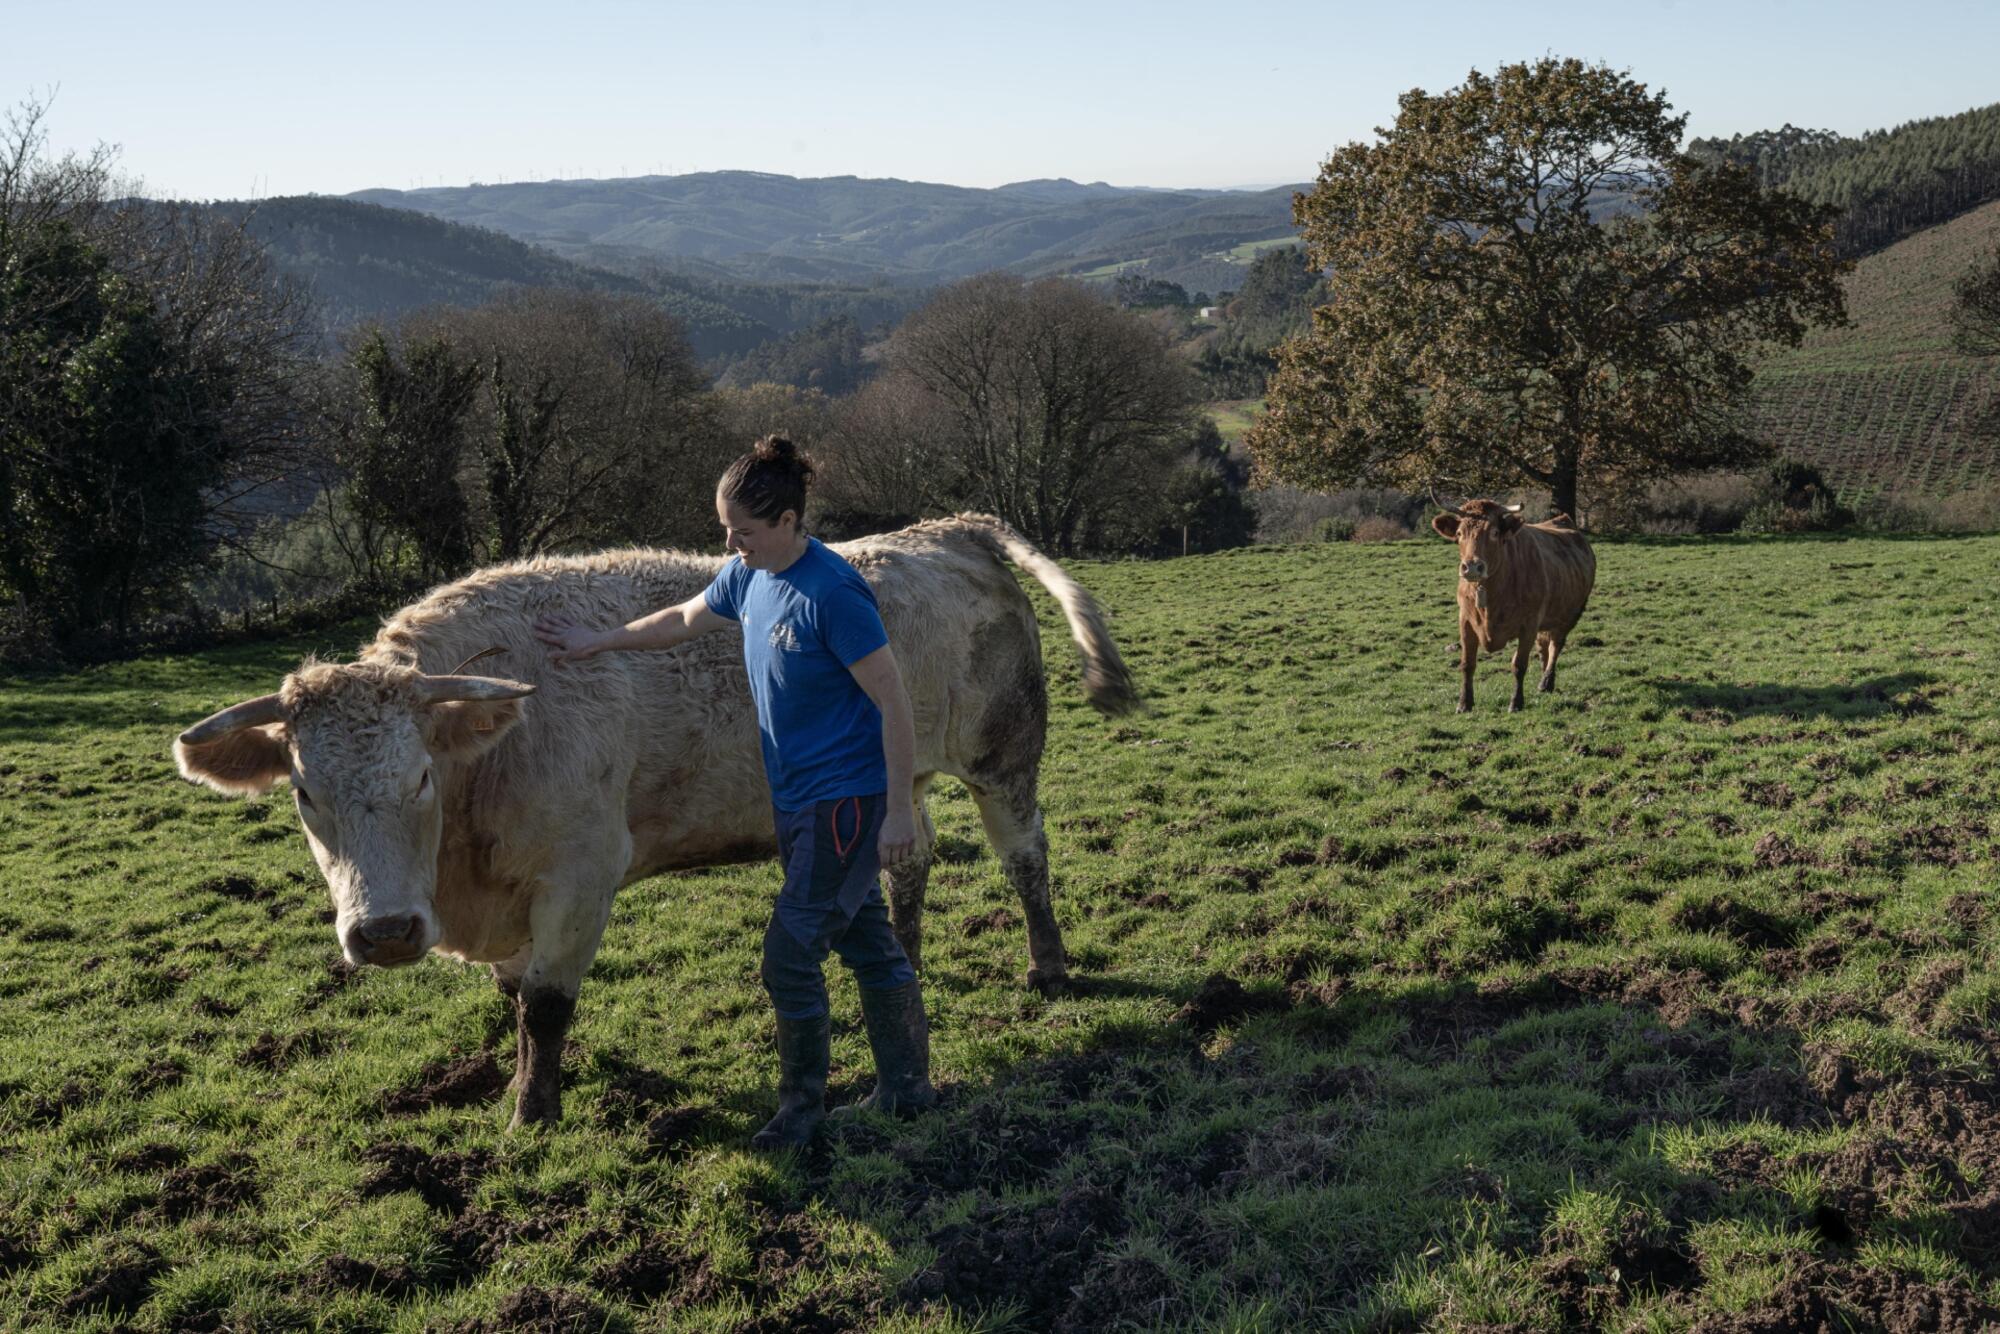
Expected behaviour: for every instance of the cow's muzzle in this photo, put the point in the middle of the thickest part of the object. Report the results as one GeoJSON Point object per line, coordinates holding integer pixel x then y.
{"type": "Point", "coordinates": [388, 941]}
{"type": "Point", "coordinates": [1472, 571]}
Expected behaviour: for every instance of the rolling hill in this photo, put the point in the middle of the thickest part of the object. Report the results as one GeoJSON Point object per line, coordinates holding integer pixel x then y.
{"type": "Point", "coordinates": [366, 262]}
{"type": "Point", "coordinates": [1883, 406]}
{"type": "Point", "coordinates": [768, 227]}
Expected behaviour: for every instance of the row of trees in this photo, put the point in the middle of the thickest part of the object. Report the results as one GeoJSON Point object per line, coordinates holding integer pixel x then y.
{"type": "Point", "coordinates": [172, 417]}
{"type": "Point", "coordinates": [1882, 186]}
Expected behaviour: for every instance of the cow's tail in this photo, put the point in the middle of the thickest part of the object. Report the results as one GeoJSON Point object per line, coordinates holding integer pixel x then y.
{"type": "Point", "coordinates": [1107, 683]}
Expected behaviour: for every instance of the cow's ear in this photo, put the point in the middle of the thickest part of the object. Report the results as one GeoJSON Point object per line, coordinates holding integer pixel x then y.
{"type": "Point", "coordinates": [243, 762]}
{"type": "Point", "coordinates": [465, 729]}
{"type": "Point", "coordinates": [1447, 526]}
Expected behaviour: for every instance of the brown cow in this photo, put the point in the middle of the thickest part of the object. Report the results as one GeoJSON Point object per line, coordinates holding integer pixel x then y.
{"type": "Point", "coordinates": [1516, 581]}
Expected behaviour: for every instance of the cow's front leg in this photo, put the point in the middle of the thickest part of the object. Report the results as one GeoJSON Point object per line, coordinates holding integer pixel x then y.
{"type": "Point", "coordinates": [568, 923]}
{"type": "Point", "coordinates": [507, 979]}
{"type": "Point", "coordinates": [1522, 652]}
{"type": "Point", "coordinates": [1468, 658]}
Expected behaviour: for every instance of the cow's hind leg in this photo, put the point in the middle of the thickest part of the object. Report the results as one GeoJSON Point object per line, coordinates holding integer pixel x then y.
{"type": "Point", "coordinates": [908, 882]}
{"type": "Point", "coordinates": [1013, 822]}
{"type": "Point", "coordinates": [1551, 650]}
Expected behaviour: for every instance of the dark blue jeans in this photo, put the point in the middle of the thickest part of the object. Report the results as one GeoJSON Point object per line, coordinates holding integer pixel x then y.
{"type": "Point", "coordinates": [831, 901]}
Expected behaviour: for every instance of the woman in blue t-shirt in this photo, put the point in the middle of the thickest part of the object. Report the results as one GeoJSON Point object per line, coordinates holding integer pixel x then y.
{"type": "Point", "coordinates": [835, 724]}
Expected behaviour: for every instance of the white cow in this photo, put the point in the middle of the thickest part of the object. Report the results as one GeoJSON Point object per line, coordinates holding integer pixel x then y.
{"type": "Point", "coordinates": [455, 813]}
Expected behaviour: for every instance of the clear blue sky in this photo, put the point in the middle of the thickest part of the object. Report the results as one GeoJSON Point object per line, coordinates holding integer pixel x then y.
{"type": "Point", "coordinates": [226, 100]}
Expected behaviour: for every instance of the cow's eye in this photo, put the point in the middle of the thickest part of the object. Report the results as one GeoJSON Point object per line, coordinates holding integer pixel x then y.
{"type": "Point", "coordinates": [305, 798]}
{"type": "Point", "coordinates": [423, 785]}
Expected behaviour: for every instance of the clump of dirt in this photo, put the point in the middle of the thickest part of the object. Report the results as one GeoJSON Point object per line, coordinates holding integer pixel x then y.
{"type": "Point", "coordinates": [1918, 1001]}
{"type": "Point", "coordinates": [1942, 844]}
{"type": "Point", "coordinates": [1220, 1001]}
{"type": "Point", "coordinates": [216, 1187]}
{"type": "Point", "coordinates": [978, 924]}
{"type": "Point", "coordinates": [208, 1007]}
{"type": "Point", "coordinates": [238, 887]}
{"type": "Point", "coordinates": [658, 1267]}
{"type": "Point", "coordinates": [1638, 1262]}
{"type": "Point", "coordinates": [342, 1273]}
{"type": "Point", "coordinates": [1032, 1257]}
{"type": "Point", "coordinates": [444, 1180]}
{"type": "Point", "coordinates": [465, 1082]}
{"type": "Point", "coordinates": [632, 1093]}
{"type": "Point", "coordinates": [676, 1128]}
{"type": "Point", "coordinates": [48, 1109]}
{"type": "Point", "coordinates": [164, 1073]}
{"type": "Point", "coordinates": [1739, 921]}
{"type": "Point", "coordinates": [15, 1252]}
{"type": "Point", "coordinates": [339, 974]}
{"type": "Point", "coordinates": [1560, 844]}
{"type": "Point", "coordinates": [1776, 796]}
{"type": "Point", "coordinates": [271, 1052]}
{"type": "Point", "coordinates": [121, 1287]}
{"type": "Point", "coordinates": [539, 1311]}
{"type": "Point", "coordinates": [1848, 1297]}
{"type": "Point", "coordinates": [1774, 851]}
{"type": "Point", "coordinates": [150, 1158]}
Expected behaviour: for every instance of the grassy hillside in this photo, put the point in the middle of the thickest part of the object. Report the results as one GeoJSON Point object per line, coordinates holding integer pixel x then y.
{"type": "Point", "coordinates": [366, 262]}
{"type": "Point", "coordinates": [1670, 1000]}
{"type": "Point", "coordinates": [768, 227]}
{"type": "Point", "coordinates": [1882, 406]}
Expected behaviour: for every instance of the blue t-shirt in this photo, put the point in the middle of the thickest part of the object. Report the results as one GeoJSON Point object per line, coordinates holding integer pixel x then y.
{"type": "Point", "coordinates": [803, 627]}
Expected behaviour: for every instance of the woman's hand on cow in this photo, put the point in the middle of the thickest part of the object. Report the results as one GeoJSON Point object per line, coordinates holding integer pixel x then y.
{"type": "Point", "coordinates": [570, 642]}
{"type": "Point", "coordinates": [898, 838]}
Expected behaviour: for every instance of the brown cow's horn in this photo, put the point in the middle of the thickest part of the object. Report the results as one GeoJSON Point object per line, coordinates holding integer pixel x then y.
{"type": "Point", "coordinates": [250, 713]}
{"type": "Point", "coordinates": [1441, 505]}
{"type": "Point", "coordinates": [476, 689]}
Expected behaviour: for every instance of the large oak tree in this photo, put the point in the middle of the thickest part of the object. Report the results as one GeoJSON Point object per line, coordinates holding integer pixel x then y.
{"type": "Point", "coordinates": [1531, 285]}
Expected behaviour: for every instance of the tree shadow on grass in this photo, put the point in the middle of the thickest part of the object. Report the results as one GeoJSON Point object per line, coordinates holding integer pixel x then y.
{"type": "Point", "coordinates": [1900, 693]}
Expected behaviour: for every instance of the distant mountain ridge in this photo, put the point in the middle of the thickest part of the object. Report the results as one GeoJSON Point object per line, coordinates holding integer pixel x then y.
{"type": "Point", "coordinates": [761, 226]}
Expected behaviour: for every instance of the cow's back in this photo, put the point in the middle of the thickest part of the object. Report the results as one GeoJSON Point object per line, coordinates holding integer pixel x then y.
{"type": "Point", "coordinates": [666, 742]}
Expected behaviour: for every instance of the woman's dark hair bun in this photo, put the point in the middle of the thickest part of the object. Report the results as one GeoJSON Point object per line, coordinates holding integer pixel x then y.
{"type": "Point", "coordinates": [770, 479]}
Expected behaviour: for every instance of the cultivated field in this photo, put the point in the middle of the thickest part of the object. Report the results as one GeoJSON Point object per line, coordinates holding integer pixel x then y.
{"type": "Point", "coordinates": [1668, 1002]}
{"type": "Point", "coordinates": [1887, 404]}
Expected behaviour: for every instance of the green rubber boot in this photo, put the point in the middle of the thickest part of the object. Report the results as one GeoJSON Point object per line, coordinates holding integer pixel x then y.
{"type": "Point", "coordinates": [802, 1062]}
{"type": "Point", "coordinates": [900, 1037]}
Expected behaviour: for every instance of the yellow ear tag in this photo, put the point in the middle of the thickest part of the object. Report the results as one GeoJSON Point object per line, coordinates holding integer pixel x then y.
{"type": "Point", "coordinates": [483, 723]}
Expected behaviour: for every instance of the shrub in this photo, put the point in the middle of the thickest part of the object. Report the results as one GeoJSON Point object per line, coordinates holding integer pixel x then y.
{"type": "Point", "coordinates": [1381, 528]}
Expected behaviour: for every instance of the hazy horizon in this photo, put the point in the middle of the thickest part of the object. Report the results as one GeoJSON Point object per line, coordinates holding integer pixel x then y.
{"type": "Point", "coordinates": [249, 102]}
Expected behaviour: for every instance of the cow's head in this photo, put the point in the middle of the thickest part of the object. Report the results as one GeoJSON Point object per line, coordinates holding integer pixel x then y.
{"type": "Point", "coordinates": [362, 745]}
{"type": "Point", "coordinates": [1481, 528]}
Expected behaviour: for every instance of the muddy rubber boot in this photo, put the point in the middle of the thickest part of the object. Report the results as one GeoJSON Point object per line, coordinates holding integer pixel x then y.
{"type": "Point", "coordinates": [802, 1062]}
{"type": "Point", "coordinates": [900, 1037]}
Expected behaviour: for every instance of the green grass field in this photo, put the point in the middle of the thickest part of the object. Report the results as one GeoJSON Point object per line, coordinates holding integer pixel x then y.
{"type": "Point", "coordinates": [1234, 417]}
{"type": "Point", "coordinates": [1669, 1003]}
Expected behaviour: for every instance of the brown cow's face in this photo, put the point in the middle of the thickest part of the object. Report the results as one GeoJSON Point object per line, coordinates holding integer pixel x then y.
{"type": "Point", "coordinates": [1482, 535]}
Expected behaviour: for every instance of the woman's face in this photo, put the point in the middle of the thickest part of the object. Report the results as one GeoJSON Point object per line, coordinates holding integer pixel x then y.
{"type": "Point", "coordinates": [761, 543]}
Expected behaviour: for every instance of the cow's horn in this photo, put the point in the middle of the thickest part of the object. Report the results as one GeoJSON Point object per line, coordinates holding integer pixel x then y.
{"type": "Point", "coordinates": [1441, 505]}
{"type": "Point", "coordinates": [478, 689]}
{"type": "Point", "coordinates": [483, 653]}
{"type": "Point", "coordinates": [1513, 509]}
{"type": "Point", "coordinates": [250, 713]}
